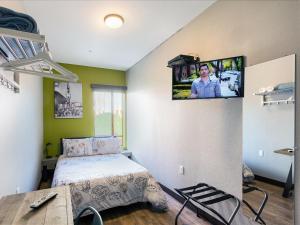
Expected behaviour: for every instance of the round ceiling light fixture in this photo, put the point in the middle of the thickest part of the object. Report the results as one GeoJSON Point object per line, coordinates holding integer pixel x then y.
{"type": "Point", "coordinates": [113, 21]}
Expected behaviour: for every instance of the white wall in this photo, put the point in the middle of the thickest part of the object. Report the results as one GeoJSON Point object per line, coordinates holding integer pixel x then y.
{"type": "Point", "coordinates": [203, 135]}
{"type": "Point", "coordinates": [21, 131]}
{"type": "Point", "coordinates": [268, 128]}
{"type": "Point", "coordinates": [13, 4]}
{"type": "Point", "coordinates": [21, 136]}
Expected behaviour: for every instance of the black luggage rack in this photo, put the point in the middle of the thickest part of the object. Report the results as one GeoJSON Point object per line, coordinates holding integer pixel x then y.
{"type": "Point", "coordinates": [199, 194]}
{"type": "Point", "coordinates": [247, 189]}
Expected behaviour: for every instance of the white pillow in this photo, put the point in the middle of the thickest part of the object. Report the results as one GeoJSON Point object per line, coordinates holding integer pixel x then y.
{"type": "Point", "coordinates": [77, 147]}
{"type": "Point", "coordinates": [105, 145]}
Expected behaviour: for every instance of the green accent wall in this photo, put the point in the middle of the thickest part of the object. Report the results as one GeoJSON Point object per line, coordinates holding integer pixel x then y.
{"type": "Point", "coordinates": [55, 129]}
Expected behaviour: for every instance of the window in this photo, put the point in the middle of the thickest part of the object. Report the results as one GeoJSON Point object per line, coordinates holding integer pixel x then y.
{"type": "Point", "coordinates": [109, 107]}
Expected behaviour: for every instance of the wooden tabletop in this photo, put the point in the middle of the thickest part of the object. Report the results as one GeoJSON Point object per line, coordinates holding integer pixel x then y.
{"type": "Point", "coordinates": [285, 151]}
{"type": "Point", "coordinates": [15, 209]}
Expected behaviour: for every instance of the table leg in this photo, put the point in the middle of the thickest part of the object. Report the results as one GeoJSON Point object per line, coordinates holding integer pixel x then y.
{"type": "Point", "coordinates": [288, 183]}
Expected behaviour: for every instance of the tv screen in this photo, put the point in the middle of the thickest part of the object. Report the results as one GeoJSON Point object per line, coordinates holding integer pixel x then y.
{"type": "Point", "coordinates": [221, 78]}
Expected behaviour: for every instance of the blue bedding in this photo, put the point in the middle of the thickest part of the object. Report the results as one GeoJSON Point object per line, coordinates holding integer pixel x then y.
{"type": "Point", "coordinates": [17, 21]}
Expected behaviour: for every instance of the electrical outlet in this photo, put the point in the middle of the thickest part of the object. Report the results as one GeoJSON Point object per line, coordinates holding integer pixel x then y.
{"type": "Point", "coordinates": [181, 170]}
{"type": "Point", "coordinates": [261, 153]}
{"type": "Point", "coordinates": [17, 190]}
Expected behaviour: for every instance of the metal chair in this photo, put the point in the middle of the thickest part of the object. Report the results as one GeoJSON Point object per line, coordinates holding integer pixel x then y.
{"type": "Point", "coordinates": [97, 220]}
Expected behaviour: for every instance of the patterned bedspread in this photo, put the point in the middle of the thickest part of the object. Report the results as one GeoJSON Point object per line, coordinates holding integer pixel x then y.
{"type": "Point", "coordinates": [107, 181]}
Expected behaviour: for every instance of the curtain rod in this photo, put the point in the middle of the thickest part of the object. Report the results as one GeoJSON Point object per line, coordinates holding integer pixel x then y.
{"type": "Point", "coordinates": [102, 86]}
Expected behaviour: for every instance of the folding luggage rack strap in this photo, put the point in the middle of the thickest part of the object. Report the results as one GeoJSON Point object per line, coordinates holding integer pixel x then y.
{"type": "Point", "coordinates": [247, 189]}
{"type": "Point", "coordinates": [199, 194]}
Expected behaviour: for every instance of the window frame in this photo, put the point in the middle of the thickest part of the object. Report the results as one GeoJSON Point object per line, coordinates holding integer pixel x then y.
{"type": "Point", "coordinates": [124, 114]}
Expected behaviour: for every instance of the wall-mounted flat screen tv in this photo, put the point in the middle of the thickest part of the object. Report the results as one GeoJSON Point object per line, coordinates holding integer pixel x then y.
{"type": "Point", "coordinates": [221, 78]}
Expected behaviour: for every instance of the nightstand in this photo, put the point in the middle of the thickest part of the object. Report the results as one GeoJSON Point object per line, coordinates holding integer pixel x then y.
{"type": "Point", "coordinates": [127, 153]}
{"type": "Point", "coordinates": [48, 166]}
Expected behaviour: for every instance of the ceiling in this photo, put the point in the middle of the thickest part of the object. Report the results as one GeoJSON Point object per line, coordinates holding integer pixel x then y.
{"type": "Point", "coordinates": [76, 33]}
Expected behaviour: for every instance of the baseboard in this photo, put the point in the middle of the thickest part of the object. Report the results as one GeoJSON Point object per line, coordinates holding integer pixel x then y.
{"type": "Point", "coordinates": [198, 211]}
{"type": "Point", "coordinates": [270, 181]}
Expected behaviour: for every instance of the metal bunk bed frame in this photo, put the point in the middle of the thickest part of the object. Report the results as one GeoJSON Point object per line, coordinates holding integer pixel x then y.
{"type": "Point", "coordinates": [199, 194]}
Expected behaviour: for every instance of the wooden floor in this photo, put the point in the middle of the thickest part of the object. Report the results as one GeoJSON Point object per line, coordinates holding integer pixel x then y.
{"type": "Point", "coordinates": [141, 214]}
{"type": "Point", "coordinates": [278, 211]}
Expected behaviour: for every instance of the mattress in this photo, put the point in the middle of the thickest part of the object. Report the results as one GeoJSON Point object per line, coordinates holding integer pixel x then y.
{"type": "Point", "coordinates": [107, 181]}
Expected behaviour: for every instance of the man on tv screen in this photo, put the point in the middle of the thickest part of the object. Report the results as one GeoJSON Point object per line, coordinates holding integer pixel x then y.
{"type": "Point", "coordinates": [204, 87]}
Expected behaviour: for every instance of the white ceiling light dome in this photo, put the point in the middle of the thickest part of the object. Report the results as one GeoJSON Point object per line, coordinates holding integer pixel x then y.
{"type": "Point", "coordinates": [113, 21]}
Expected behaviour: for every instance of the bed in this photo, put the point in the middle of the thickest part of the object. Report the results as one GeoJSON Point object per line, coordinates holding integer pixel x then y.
{"type": "Point", "coordinates": [106, 180]}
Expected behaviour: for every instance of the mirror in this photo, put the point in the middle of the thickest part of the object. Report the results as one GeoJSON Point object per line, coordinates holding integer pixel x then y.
{"type": "Point", "coordinates": [268, 141]}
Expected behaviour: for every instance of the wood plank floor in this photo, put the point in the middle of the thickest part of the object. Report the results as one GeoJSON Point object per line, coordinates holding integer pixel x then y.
{"type": "Point", "coordinates": [141, 214]}
{"type": "Point", "coordinates": [278, 211]}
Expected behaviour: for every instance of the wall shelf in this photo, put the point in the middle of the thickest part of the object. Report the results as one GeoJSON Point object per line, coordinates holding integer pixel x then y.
{"type": "Point", "coordinates": [276, 92]}
{"type": "Point", "coordinates": [278, 95]}
{"type": "Point", "coordinates": [9, 84]}
{"type": "Point", "coordinates": [278, 102]}
{"type": "Point", "coordinates": [28, 53]}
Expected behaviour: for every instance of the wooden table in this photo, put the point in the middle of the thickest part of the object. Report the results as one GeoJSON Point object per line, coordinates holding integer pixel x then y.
{"type": "Point", "coordinates": [15, 210]}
